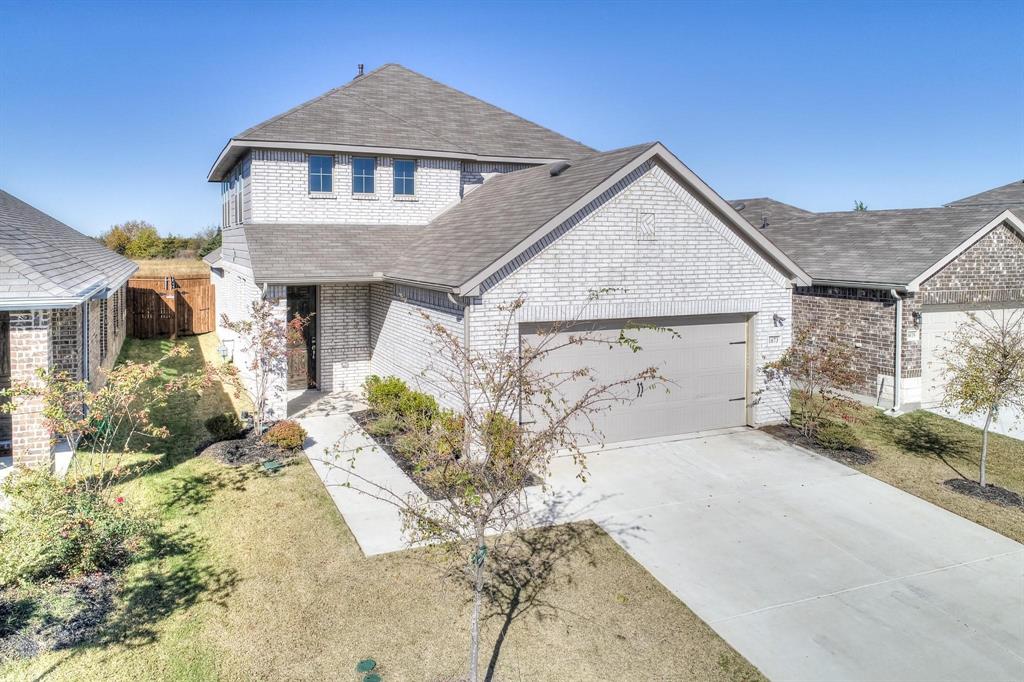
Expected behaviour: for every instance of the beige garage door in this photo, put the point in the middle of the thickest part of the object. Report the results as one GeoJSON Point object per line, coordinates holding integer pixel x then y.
{"type": "Point", "coordinates": [937, 324]}
{"type": "Point", "coordinates": [705, 357]}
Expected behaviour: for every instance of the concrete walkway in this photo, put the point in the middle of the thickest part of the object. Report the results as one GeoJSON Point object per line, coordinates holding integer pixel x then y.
{"type": "Point", "coordinates": [810, 569]}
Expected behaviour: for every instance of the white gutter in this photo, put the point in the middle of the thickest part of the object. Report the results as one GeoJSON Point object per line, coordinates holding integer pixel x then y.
{"type": "Point", "coordinates": [897, 383]}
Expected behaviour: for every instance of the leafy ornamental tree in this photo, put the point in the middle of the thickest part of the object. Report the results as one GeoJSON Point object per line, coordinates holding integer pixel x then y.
{"type": "Point", "coordinates": [120, 236]}
{"type": "Point", "coordinates": [110, 424]}
{"type": "Point", "coordinates": [813, 376]}
{"type": "Point", "coordinates": [859, 206]}
{"type": "Point", "coordinates": [984, 369]}
{"type": "Point", "coordinates": [481, 455]}
{"type": "Point", "coordinates": [267, 341]}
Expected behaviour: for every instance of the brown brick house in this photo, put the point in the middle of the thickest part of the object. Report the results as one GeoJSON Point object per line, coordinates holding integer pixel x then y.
{"type": "Point", "coordinates": [919, 270]}
{"type": "Point", "coordinates": [62, 306]}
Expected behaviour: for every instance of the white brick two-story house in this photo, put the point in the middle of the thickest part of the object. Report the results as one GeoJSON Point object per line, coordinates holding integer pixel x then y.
{"type": "Point", "coordinates": [395, 194]}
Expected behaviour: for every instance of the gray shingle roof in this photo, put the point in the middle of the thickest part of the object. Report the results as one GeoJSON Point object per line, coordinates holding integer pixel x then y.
{"type": "Point", "coordinates": [1007, 196]}
{"type": "Point", "coordinates": [492, 220]}
{"type": "Point", "coordinates": [393, 106]}
{"type": "Point", "coordinates": [758, 210]}
{"type": "Point", "coordinates": [213, 256]}
{"type": "Point", "coordinates": [43, 260]}
{"type": "Point", "coordinates": [877, 247]}
{"type": "Point", "coordinates": [324, 252]}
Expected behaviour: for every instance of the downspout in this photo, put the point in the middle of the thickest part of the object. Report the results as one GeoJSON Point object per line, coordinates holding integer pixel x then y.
{"type": "Point", "coordinates": [897, 383]}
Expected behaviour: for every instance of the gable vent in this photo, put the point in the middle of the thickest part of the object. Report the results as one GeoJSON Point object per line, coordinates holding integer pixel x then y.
{"type": "Point", "coordinates": [559, 168]}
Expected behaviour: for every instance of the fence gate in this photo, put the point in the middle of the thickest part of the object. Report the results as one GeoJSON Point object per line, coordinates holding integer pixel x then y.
{"type": "Point", "coordinates": [170, 306]}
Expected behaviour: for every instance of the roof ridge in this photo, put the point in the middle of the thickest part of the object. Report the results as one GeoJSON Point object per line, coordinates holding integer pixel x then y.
{"type": "Point", "coordinates": [332, 91]}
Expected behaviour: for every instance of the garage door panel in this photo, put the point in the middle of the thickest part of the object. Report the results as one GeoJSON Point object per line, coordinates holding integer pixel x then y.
{"type": "Point", "coordinates": [705, 360]}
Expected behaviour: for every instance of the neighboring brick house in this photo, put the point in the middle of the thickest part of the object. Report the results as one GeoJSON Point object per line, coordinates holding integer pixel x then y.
{"type": "Point", "coordinates": [62, 307]}
{"type": "Point", "coordinates": [395, 195]}
{"type": "Point", "coordinates": [928, 268]}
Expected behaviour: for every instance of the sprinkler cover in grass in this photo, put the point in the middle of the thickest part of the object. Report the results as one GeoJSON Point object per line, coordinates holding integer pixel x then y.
{"type": "Point", "coordinates": [366, 665]}
{"type": "Point", "coordinates": [372, 677]}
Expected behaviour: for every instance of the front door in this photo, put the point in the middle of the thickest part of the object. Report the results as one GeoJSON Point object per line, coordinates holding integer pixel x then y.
{"type": "Point", "coordinates": [302, 360]}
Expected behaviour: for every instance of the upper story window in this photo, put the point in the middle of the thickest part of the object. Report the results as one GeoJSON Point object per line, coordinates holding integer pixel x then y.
{"type": "Point", "coordinates": [362, 175]}
{"type": "Point", "coordinates": [405, 177]}
{"type": "Point", "coordinates": [320, 173]}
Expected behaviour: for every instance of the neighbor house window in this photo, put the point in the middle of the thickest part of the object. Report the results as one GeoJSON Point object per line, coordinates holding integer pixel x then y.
{"type": "Point", "coordinates": [362, 175]}
{"type": "Point", "coordinates": [320, 170]}
{"type": "Point", "coordinates": [103, 330]}
{"type": "Point", "coordinates": [405, 177]}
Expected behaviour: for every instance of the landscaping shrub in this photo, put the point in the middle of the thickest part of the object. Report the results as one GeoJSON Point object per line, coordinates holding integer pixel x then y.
{"type": "Point", "coordinates": [384, 426]}
{"type": "Point", "coordinates": [56, 529]}
{"type": "Point", "coordinates": [286, 434]}
{"type": "Point", "coordinates": [419, 409]}
{"type": "Point", "coordinates": [226, 426]}
{"type": "Point", "coordinates": [836, 435]}
{"type": "Point", "coordinates": [450, 431]}
{"type": "Point", "coordinates": [383, 394]}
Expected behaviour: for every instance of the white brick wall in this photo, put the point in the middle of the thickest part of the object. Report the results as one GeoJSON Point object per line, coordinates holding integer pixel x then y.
{"type": "Point", "coordinates": [280, 191]}
{"type": "Point", "coordinates": [694, 265]}
{"type": "Point", "coordinates": [400, 339]}
{"type": "Point", "coordinates": [343, 336]}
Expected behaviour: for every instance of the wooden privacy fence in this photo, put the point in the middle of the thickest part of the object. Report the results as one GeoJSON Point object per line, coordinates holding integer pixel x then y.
{"type": "Point", "coordinates": [170, 306]}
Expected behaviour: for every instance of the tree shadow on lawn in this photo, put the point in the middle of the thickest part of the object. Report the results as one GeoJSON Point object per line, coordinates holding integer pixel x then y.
{"type": "Point", "coordinates": [919, 434]}
{"type": "Point", "coordinates": [523, 571]}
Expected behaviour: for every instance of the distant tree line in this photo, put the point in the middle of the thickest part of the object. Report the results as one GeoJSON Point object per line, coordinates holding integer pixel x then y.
{"type": "Point", "coordinates": [139, 240]}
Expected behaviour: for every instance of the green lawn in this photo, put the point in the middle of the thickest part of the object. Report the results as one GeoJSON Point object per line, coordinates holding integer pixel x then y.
{"type": "Point", "coordinates": [918, 451]}
{"type": "Point", "coordinates": [260, 578]}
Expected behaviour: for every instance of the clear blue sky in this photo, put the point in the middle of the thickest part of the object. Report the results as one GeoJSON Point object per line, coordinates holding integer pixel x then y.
{"type": "Point", "coordinates": [116, 111]}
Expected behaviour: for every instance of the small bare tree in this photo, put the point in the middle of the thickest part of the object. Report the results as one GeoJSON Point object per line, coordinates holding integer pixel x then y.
{"type": "Point", "coordinates": [984, 369]}
{"type": "Point", "coordinates": [267, 341]}
{"type": "Point", "coordinates": [482, 455]}
{"type": "Point", "coordinates": [813, 376]}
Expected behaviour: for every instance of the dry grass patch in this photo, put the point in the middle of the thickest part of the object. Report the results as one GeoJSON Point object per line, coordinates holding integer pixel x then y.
{"type": "Point", "coordinates": [261, 579]}
{"type": "Point", "coordinates": [917, 452]}
{"type": "Point", "coordinates": [175, 267]}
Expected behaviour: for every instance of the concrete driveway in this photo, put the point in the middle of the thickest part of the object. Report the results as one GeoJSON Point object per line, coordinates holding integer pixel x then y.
{"type": "Point", "coordinates": [809, 569]}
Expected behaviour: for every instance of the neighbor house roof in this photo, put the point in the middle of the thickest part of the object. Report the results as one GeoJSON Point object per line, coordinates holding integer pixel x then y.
{"type": "Point", "coordinates": [395, 110]}
{"type": "Point", "coordinates": [46, 264]}
{"type": "Point", "coordinates": [473, 239]}
{"type": "Point", "coordinates": [880, 248]}
{"type": "Point", "coordinates": [767, 210]}
{"type": "Point", "coordinates": [1007, 196]}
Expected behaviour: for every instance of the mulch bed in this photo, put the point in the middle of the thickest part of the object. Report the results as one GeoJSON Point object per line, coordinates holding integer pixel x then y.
{"type": "Point", "coordinates": [249, 449]}
{"type": "Point", "coordinates": [24, 632]}
{"type": "Point", "coordinates": [364, 417]}
{"type": "Point", "coordinates": [990, 493]}
{"type": "Point", "coordinates": [854, 457]}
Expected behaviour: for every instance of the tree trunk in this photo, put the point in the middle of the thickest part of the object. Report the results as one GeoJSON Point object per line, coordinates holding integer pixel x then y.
{"type": "Point", "coordinates": [478, 595]}
{"type": "Point", "coordinates": [984, 447]}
